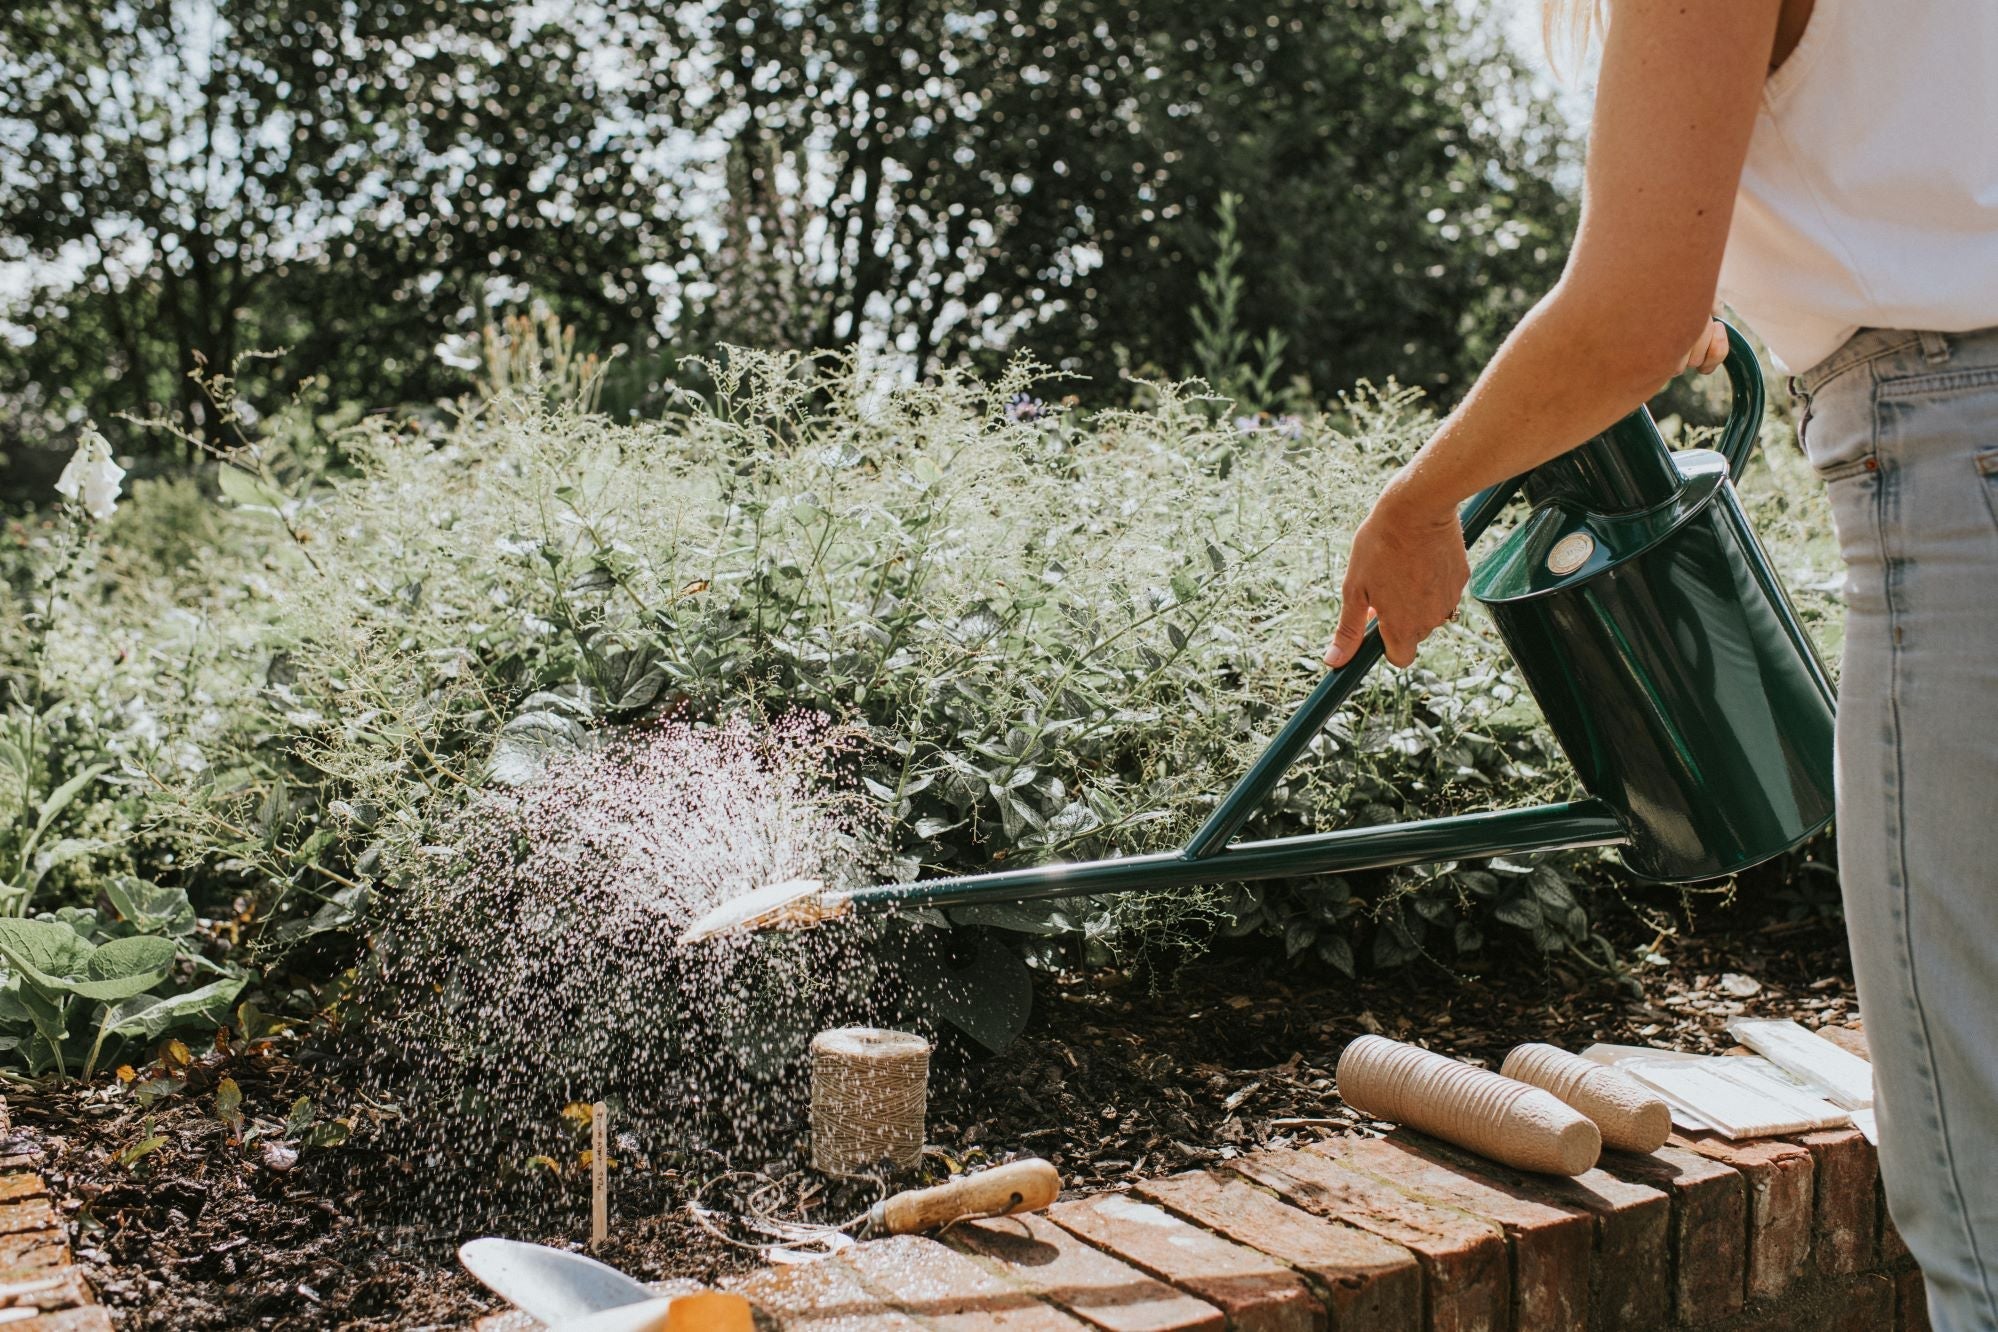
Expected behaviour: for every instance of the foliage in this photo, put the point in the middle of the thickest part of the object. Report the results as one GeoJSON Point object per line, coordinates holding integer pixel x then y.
{"type": "Point", "coordinates": [1059, 635]}
{"type": "Point", "coordinates": [69, 966]}
{"type": "Point", "coordinates": [1046, 173]}
{"type": "Point", "coordinates": [192, 179]}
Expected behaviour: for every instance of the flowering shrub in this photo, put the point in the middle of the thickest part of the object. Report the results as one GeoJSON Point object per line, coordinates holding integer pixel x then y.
{"type": "Point", "coordinates": [1058, 636]}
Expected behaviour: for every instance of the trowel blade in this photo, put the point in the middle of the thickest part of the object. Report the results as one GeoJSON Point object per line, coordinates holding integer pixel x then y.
{"type": "Point", "coordinates": [551, 1284]}
{"type": "Point", "coordinates": [794, 902]}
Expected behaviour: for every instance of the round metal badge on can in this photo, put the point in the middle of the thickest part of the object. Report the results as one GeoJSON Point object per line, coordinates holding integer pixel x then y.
{"type": "Point", "coordinates": [1570, 553]}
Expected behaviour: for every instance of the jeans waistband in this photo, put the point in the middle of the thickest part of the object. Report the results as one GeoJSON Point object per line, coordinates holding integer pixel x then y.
{"type": "Point", "coordinates": [1872, 344]}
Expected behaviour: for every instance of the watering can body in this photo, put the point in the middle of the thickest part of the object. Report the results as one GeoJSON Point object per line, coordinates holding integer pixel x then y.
{"type": "Point", "coordinates": [1650, 628]}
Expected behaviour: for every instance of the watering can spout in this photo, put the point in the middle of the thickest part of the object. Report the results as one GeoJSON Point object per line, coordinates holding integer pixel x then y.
{"type": "Point", "coordinates": [1658, 641]}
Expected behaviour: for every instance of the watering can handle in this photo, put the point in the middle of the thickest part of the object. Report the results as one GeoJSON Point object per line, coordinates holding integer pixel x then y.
{"type": "Point", "coordinates": [1332, 691]}
{"type": "Point", "coordinates": [1744, 416]}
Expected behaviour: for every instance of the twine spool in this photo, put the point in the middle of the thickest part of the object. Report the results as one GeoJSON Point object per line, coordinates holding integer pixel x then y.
{"type": "Point", "coordinates": [870, 1089]}
{"type": "Point", "coordinates": [1630, 1115]}
{"type": "Point", "coordinates": [1511, 1122]}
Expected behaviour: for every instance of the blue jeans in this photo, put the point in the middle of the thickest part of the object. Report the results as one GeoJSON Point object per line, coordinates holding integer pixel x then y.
{"type": "Point", "coordinates": [1903, 427]}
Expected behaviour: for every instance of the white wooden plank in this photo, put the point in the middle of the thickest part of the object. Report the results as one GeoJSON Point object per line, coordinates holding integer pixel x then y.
{"type": "Point", "coordinates": [1842, 1077]}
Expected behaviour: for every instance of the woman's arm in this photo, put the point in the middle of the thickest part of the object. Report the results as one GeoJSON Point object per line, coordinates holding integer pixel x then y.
{"type": "Point", "coordinates": [1675, 104]}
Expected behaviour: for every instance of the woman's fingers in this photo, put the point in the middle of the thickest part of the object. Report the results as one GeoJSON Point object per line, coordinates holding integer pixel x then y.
{"type": "Point", "coordinates": [1708, 353]}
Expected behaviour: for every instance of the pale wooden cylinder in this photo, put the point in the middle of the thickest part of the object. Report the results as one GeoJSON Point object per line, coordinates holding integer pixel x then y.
{"type": "Point", "coordinates": [870, 1092]}
{"type": "Point", "coordinates": [1510, 1122]}
{"type": "Point", "coordinates": [1630, 1116]}
{"type": "Point", "coordinates": [1018, 1186]}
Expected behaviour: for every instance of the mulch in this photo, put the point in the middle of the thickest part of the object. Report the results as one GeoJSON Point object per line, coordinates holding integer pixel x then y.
{"type": "Point", "coordinates": [1117, 1079]}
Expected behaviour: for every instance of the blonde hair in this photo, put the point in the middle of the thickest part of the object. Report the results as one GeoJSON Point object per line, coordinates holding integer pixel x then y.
{"type": "Point", "coordinates": [1568, 28]}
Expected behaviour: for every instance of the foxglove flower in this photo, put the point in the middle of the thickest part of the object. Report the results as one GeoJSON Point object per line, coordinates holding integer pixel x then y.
{"type": "Point", "coordinates": [92, 477]}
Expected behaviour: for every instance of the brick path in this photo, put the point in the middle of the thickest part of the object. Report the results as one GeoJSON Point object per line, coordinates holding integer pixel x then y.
{"type": "Point", "coordinates": [1405, 1234]}
{"type": "Point", "coordinates": [41, 1290]}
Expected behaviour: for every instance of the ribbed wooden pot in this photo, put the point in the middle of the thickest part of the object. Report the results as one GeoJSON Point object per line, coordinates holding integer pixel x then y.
{"type": "Point", "coordinates": [1630, 1116]}
{"type": "Point", "coordinates": [1511, 1122]}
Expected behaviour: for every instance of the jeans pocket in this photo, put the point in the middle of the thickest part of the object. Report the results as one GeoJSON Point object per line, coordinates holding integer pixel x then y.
{"type": "Point", "coordinates": [1986, 463]}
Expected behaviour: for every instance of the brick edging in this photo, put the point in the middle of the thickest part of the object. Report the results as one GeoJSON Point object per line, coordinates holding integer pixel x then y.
{"type": "Point", "coordinates": [37, 1270]}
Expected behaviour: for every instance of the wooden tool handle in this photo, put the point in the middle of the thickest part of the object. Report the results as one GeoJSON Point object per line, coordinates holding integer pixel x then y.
{"type": "Point", "coordinates": [1018, 1186]}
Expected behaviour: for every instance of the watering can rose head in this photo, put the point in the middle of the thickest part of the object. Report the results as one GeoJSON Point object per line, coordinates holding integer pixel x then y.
{"type": "Point", "coordinates": [92, 477]}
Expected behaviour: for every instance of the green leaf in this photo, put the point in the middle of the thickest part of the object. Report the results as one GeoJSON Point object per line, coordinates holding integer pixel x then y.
{"type": "Point", "coordinates": [125, 967]}
{"type": "Point", "coordinates": [1336, 952]}
{"type": "Point", "coordinates": [528, 742]}
{"type": "Point", "coordinates": [247, 490]}
{"type": "Point", "coordinates": [1520, 911]}
{"type": "Point", "coordinates": [141, 1149]}
{"type": "Point", "coordinates": [60, 798]}
{"type": "Point", "coordinates": [332, 1133]}
{"type": "Point", "coordinates": [149, 1017]}
{"type": "Point", "coordinates": [229, 1104]}
{"type": "Point", "coordinates": [1299, 935]}
{"type": "Point", "coordinates": [150, 908]}
{"type": "Point", "coordinates": [47, 953]}
{"type": "Point", "coordinates": [1036, 919]}
{"type": "Point", "coordinates": [300, 1118]}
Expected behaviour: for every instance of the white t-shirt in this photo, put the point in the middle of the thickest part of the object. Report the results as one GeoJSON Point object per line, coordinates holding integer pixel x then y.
{"type": "Point", "coordinates": [1870, 197]}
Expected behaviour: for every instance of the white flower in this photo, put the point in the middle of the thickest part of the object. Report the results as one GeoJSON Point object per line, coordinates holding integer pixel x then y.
{"type": "Point", "coordinates": [91, 476]}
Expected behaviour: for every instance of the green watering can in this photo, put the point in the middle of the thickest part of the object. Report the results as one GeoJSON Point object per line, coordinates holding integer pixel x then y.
{"type": "Point", "coordinates": [1649, 626]}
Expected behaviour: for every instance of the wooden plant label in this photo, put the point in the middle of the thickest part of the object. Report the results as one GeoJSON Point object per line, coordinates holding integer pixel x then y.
{"type": "Point", "coordinates": [599, 1174]}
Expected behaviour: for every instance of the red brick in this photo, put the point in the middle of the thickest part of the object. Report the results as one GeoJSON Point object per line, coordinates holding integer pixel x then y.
{"type": "Point", "coordinates": [1780, 1186]}
{"type": "Point", "coordinates": [94, 1318]}
{"type": "Point", "coordinates": [1845, 1214]}
{"type": "Point", "coordinates": [31, 1253]}
{"type": "Point", "coordinates": [1466, 1270]}
{"type": "Point", "coordinates": [28, 1214]}
{"type": "Point", "coordinates": [1911, 1302]}
{"type": "Point", "coordinates": [1098, 1289]}
{"type": "Point", "coordinates": [1709, 1227]}
{"type": "Point", "coordinates": [21, 1184]}
{"type": "Point", "coordinates": [1257, 1293]}
{"type": "Point", "coordinates": [58, 1288]}
{"type": "Point", "coordinates": [1551, 1243]}
{"type": "Point", "coordinates": [1363, 1281]}
{"type": "Point", "coordinates": [1631, 1271]}
{"type": "Point", "coordinates": [821, 1297]}
{"type": "Point", "coordinates": [1893, 1249]}
{"type": "Point", "coordinates": [948, 1292]}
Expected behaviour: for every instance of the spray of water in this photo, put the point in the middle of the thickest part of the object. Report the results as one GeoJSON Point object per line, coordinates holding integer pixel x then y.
{"type": "Point", "coordinates": [532, 965]}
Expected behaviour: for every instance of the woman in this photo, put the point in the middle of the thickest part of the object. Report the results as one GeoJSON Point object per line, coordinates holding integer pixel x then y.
{"type": "Point", "coordinates": [1832, 175]}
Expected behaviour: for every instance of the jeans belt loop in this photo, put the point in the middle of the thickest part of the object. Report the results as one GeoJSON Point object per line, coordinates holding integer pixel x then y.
{"type": "Point", "coordinates": [1935, 347]}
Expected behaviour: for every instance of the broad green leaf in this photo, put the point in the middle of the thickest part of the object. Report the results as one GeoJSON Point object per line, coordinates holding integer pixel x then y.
{"type": "Point", "coordinates": [125, 967]}
{"type": "Point", "coordinates": [150, 908]}
{"type": "Point", "coordinates": [59, 799]}
{"type": "Point", "coordinates": [527, 743]}
{"type": "Point", "coordinates": [246, 490]}
{"type": "Point", "coordinates": [46, 952]}
{"type": "Point", "coordinates": [300, 1118]}
{"type": "Point", "coordinates": [151, 1016]}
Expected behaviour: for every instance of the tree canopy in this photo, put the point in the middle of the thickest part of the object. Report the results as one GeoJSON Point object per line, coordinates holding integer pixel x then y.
{"type": "Point", "coordinates": [186, 180]}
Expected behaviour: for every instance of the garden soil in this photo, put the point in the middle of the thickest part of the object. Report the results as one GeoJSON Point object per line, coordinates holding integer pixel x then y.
{"type": "Point", "coordinates": [183, 1225]}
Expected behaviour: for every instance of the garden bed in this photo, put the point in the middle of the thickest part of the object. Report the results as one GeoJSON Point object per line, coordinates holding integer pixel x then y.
{"type": "Point", "coordinates": [1115, 1080]}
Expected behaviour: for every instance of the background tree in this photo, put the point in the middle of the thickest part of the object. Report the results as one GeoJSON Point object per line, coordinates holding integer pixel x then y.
{"type": "Point", "coordinates": [190, 179]}
{"type": "Point", "coordinates": [1048, 173]}
{"type": "Point", "coordinates": [185, 180]}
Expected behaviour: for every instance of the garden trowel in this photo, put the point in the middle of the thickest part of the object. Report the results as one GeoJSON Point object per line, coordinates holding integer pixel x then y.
{"type": "Point", "coordinates": [572, 1292]}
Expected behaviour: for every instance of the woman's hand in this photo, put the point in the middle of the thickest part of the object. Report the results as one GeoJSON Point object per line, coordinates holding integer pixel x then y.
{"type": "Point", "coordinates": [1407, 569]}
{"type": "Point", "coordinates": [1708, 353]}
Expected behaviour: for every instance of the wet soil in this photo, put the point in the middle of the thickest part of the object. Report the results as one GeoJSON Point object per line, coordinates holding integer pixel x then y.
{"type": "Point", "coordinates": [191, 1213]}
